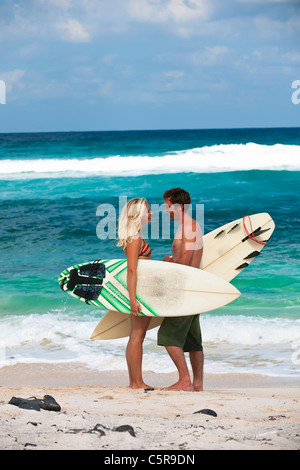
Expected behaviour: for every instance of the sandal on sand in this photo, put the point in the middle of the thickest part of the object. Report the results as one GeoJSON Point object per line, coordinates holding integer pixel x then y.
{"type": "Point", "coordinates": [32, 403]}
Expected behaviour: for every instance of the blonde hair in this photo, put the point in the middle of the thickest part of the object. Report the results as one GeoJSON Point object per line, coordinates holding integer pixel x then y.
{"type": "Point", "coordinates": [130, 220]}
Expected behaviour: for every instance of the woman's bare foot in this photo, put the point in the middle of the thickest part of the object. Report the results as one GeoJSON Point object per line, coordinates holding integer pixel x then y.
{"type": "Point", "coordinates": [142, 385]}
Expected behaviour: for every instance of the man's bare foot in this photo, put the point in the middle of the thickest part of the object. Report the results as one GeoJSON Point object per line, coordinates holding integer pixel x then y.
{"type": "Point", "coordinates": [180, 385]}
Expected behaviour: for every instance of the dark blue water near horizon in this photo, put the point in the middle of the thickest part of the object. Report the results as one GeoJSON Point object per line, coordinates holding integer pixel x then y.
{"type": "Point", "coordinates": [148, 142]}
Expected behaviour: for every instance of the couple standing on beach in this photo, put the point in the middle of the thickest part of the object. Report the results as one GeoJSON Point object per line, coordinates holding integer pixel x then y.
{"type": "Point", "coordinates": [177, 334]}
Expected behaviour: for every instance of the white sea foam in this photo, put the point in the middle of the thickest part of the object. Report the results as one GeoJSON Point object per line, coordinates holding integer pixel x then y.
{"type": "Point", "coordinates": [269, 346]}
{"type": "Point", "coordinates": [216, 158]}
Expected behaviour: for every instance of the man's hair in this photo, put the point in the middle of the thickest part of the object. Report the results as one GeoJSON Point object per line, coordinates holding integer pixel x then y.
{"type": "Point", "coordinates": [178, 196]}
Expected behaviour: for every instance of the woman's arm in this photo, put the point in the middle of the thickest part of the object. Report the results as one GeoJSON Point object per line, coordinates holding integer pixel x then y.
{"type": "Point", "coordinates": [132, 254]}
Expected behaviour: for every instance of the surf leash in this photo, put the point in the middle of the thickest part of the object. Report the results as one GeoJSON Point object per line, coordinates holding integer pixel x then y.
{"type": "Point", "coordinates": [252, 236]}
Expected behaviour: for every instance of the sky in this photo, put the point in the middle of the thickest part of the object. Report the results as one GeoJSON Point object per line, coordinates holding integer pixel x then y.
{"type": "Point", "coordinates": [79, 65]}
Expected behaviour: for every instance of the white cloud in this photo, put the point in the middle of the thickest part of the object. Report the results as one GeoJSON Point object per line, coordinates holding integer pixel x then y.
{"type": "Point", "coordinates": [293, 56]}
{"type": "Point", "coordinates": [218, 45]}
{"type": "Point", "coordinates": [162, 11]}
{"type": "Point", "coordinates": [29, 50]}
{"type": "Point", "coordinates": [272, 28]}
{"type": "Point", "coordinates": [16, 25]}
{"type": "Point", "coordinates": [174, 74]}
{"type": "Point", "coordinates": [64, 4]}
{"type": "Point", "coordinates": [106, 89]}
{"type": "Point", "coordinates": [267, 1]}
{"type": "Point", "coordinates": [110, 59]}
{"type": "Point", "coordinates": [87, 20]}
{"type": "Point", "coordinates": [209, 56]}
{"type": "Point", "coordinates": [13, 79]}
{"type": "Point", "coordinates": [73, 31]}
{"type": "Point", "coordinates": [14, 83]}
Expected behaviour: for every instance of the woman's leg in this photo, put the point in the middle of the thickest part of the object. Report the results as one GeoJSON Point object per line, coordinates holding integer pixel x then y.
{"type": "Point", "coordinates": [134, 351]}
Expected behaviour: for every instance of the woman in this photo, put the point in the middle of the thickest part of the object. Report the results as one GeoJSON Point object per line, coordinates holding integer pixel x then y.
{"type": "Point", "coordinates": [134, 216]}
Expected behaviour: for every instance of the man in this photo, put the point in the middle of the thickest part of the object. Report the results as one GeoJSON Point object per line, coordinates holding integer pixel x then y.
{"type": "Point", "coordinates": [183, 334]}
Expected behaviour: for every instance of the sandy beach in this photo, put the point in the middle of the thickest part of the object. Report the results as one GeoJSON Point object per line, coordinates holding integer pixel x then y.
{"type": "Point", "coordinates": [99, 412]}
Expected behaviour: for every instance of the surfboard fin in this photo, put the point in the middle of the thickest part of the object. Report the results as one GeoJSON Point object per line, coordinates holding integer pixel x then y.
{"type": "Point", "coordinates": [242, 266]}
{"type": "Point", "coordinates": [253, 254]}
{"type": "Point", "coordinates": [233, 228]}
{"type": "Point", "coordinates": [256, 232]}
{"type": "Point", "coordinates": [220, 233]}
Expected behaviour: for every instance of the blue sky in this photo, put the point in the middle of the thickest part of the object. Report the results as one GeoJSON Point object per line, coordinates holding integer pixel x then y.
{"type": "Point", "coordinates": [148, 64]}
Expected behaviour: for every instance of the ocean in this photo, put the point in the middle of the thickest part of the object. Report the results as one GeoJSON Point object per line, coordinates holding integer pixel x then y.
{"type": "Point", "coordinates": [54, 188]}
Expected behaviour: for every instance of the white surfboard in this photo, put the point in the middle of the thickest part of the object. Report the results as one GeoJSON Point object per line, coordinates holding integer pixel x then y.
{"type": "Point", "coordinates": [228, 250]}
{"type": "Point", "coordinates": [163, 289]}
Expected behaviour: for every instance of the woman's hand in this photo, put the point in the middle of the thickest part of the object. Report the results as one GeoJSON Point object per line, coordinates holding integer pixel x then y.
{"type": "Point", "coordinates": [135, 308]}
{"type": "Point", "coordinates": [169, 259]}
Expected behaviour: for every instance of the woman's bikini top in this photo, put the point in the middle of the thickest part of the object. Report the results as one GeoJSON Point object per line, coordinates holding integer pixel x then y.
{"type": "Point", "coordinates": [146, 250]}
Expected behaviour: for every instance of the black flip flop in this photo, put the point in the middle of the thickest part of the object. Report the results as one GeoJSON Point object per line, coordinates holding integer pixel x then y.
{"type": "Point", "coordinates": [32, 403]}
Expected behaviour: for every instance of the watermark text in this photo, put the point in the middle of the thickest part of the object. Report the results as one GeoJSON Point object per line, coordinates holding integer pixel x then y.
{"type": "Point", "coordinates": [161, 226]}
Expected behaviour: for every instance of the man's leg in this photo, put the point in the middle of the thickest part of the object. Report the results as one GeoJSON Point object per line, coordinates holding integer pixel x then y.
{"type": "Point", "coordinates": [197, 362]}
{"type": "Point", "coordinates": [177, 356]}
{"type": "Point", "coordinates": [193, 345]}
{"type": "Point", "coordinates": [172, 335]}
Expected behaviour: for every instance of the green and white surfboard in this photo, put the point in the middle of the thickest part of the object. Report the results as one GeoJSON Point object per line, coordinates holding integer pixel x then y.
{"type": "Point", "coordinates": [163, 289]}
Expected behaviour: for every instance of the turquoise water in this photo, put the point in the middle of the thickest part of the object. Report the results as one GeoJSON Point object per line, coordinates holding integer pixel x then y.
{"type": "Point", "coordinates": [52, 186]}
